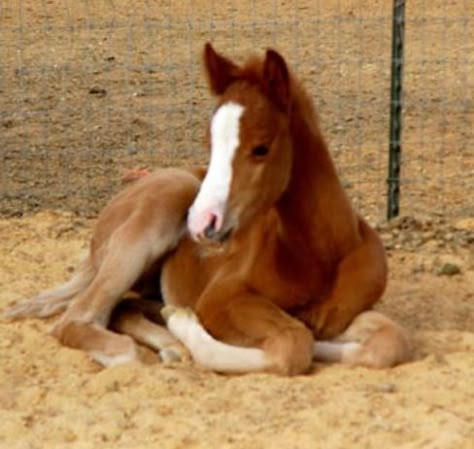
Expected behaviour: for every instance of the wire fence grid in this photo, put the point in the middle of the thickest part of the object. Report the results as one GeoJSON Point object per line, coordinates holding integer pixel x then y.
{"type": "Point", "coordinates": [88, 88]}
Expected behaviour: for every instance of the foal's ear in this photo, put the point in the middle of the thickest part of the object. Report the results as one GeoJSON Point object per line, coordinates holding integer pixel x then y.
{"type": "Point", "coordinates": [221, 72]}
{"type": "Point", "coordinates": [276, 79]}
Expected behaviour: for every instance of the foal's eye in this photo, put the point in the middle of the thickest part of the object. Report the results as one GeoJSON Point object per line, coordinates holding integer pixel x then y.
{"type": "Point", "coordinates": [260, 151]}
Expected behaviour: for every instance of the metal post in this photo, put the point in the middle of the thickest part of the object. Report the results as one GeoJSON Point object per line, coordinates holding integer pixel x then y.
{"type": "Point", "coordinates": [396, 103]}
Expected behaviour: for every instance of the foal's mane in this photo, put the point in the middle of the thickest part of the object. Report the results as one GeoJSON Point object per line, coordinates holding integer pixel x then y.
{"type": "Point", "coordinates": [301, 103]}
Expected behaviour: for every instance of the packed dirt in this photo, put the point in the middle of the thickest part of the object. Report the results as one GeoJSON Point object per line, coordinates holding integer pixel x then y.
{"type": "Point", "coordinates": [87, 91]}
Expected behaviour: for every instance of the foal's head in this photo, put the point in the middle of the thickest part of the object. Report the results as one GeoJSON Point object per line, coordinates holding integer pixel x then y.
{"type": "Point", "coordinates": [251, 151]}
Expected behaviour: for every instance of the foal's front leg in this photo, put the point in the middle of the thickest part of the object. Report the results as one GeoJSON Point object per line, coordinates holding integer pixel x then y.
{"type": "Point", "coordinates": [360, 282]}
{"type": "Point", "coordinates": [241, 331]}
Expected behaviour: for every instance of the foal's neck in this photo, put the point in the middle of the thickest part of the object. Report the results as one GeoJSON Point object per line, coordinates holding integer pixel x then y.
{"type": "Point", "coordinates": [315, 209]}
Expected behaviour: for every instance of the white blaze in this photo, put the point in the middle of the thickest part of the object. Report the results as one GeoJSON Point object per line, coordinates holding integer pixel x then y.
{"type": "Point", "coordinates": [211, 200]}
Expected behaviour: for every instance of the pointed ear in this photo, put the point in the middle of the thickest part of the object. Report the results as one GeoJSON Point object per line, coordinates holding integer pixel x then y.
{"type": "Point", "coordinates": [221, 72]}
{"type": "Point", "coordinates": [276, 80]}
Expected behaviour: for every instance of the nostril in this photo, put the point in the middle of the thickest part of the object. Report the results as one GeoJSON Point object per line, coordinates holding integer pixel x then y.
{"type": "Point", "coordinates": [210, 229]}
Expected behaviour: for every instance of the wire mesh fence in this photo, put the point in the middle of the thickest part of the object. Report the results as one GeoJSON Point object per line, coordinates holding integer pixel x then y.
{"type": "Point", "coordinates": [88, 88]}
{"type": "Point", "coordinates": [438, 161]}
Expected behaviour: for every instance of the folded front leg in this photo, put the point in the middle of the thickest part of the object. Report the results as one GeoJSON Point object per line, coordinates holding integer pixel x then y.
{"type": "Point", "coordinates": [241, 331]}
{"type": "Point", "coordinates": [372, 340]}
{"type": "Point", "coordinates": [209, 352]}
{"type": "Point", "coordinates": [360, 282]}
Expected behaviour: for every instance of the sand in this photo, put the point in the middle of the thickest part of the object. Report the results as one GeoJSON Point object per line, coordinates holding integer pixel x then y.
{"type": "Point", "coordinates": [56, 397]}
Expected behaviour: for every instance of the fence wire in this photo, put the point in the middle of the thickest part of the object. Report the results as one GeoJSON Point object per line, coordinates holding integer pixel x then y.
{"type": "Point", "coordinates": [88, 88]}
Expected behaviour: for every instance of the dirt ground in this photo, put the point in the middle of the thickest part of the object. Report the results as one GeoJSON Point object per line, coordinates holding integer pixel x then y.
{"type": "Point", "coordinates": [86, 91]}
{"type": "Point", "coordinates": [52, 396]}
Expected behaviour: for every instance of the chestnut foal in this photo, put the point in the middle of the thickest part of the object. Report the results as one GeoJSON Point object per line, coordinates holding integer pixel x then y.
{"type": "Point", "coordinates": [273, 256]}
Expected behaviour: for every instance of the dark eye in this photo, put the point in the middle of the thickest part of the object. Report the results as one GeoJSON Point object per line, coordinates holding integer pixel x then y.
{"type": "Point", "coordinates": [260, 151]}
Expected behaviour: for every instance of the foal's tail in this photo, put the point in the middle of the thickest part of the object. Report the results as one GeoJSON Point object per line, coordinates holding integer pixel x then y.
{"type": "Point", "coordinates": [56, 300]}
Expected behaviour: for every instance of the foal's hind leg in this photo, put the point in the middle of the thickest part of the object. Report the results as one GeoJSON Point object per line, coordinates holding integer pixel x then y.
{"type": "Point", "coordinates": [131, 318]}
{"type": "Point", "coordinates": [105, 347]}
{"type": "Point", "coordinates": [130, 250]}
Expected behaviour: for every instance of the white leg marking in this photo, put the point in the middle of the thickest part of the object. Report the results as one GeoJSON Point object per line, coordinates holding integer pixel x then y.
{"type": "Point", "coordinates": [209, 352]}
{"type": "Point", "coordinates": [332, 351]}
{"type": "Point", "coordinates": [114, 360]}
{"type": "Point", "coordinates": [211, 200]}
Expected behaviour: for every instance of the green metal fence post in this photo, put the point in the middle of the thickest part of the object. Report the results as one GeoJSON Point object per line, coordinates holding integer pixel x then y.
{"type": "Point", "coordinates": [396, 104]}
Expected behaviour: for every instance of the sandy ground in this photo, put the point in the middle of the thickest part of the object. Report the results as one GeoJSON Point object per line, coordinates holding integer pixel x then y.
{"type": "Point", "coordinates": [55, 397]}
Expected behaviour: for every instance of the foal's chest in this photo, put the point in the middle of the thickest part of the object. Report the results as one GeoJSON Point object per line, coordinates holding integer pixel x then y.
{"type": "Point", "coordinates": [289, 276]}
{"type": "Point", "coordinates": [289, 279]}
{"type": "Point", "coordinates": [290, 282]}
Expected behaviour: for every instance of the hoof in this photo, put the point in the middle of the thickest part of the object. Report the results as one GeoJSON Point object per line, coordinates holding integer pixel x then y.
{"type": "Point", "coordinates": [167, 312]}
{"type": "Point", "coordinates": [178, 312]}
{"type": "Point", "coordinates": [175, 353]}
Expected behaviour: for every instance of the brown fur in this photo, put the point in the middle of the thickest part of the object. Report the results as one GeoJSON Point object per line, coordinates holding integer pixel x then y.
{"type": "Point", "coordinates": [299, 264]}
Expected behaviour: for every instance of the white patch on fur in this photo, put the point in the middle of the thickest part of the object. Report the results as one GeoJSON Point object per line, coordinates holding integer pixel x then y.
{"type": "Point", "coordinates": [114, 360]}
{"type": "Point", "coordinates": [213, 195]}
{"type": "Point", "coordinates": [211, 353]}
{"type": "Point", "coordinates": [333, 351]}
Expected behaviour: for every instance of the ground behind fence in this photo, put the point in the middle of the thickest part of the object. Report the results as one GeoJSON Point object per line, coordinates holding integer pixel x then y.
{"type": "Point", "coordinates": [90, 88]}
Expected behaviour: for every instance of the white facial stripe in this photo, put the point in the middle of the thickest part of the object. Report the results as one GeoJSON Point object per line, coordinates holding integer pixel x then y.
{"type": "Point", "coordinates": [225, 127]}
{"type": "Point", "coordinates": [214, 192]}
